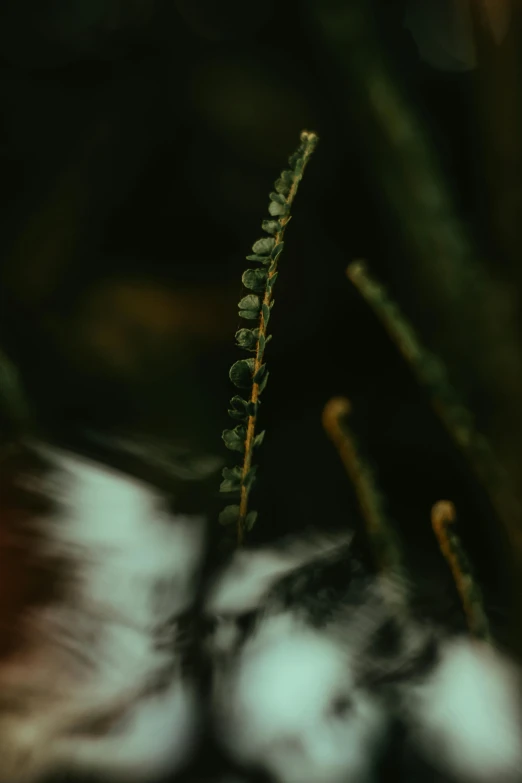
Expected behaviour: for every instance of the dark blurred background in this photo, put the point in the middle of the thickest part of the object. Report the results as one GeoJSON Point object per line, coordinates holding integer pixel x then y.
{"type": "Point", "coordinates": [139, 140]}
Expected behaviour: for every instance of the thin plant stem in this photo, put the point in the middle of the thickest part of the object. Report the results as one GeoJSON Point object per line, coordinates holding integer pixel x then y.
{"type": "Point", "coordinates": [443, 517]}
{"type": "Point", "coordinates": [309, 141]}
{"type": "Point", "coordinates": [252, 373]}
{"type": "Point", "coordinates": [432, 375]}
{"type": "Point", "coordinates": [385, 542]}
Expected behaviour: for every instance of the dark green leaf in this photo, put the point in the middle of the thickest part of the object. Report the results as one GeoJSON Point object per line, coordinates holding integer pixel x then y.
{"type": "Point", "coordinates": [241, 373]}
{"type": "Point", "coordinates": [277, 198]}
{"type": "Point", "coordinates": [276, 252]}
{"type": "Point", "coordinates": [259, 438]}
{"type": "Point", "coordinates": [271, 226]}
{"type": "Point", "coordinates": [239, 404]}
{"type": "Point", "coordinates": [237, 415]}
{"type": "Point", "coordinates": [271, 280]}
{"type": "Point", "coordinates": [229, 515]}
{"type": "Point", "coordinates": [260, 374]}
{"type": "Point", "coordinates": [262, 385]}
{"type": "Point", "coordinates": [298, 168]}
{"type": "Point", "coordinates": [263, 246]}
{"type": "Point", "coordinates": [262, 343]}
{"type": "Point", "coordinates": [276, 209]}
{"type": "Point", "coordinates": [229, 487]}
{"type": "Point", "coordinates": [260, 259]}
{"type": "Point", "coordinates": [250, 302]}
{"type": "Point", "coordinates": [281, 187]}
{"type": "Point", "coordinates": [266, 312]}
{"type": "Point", "coordinates": [242, 415]}
{"type": "Point", "coordinates": [231, 479]}
{"type": "Point", "coordinates": [249, 315]}
{"type": "Point", "coordinates": [255, 279]}
{"type": "Point", "coordinates": [292, 160]}
{"type": "Point", "coordinates": [250, 520]}
{"type": "Point", "coordinates": [247, 338]}
{"type": "Point", "coordinates": [242, 406]}
{"type": "Point", "coordinates": [285, 182]}
{"type": "Point", "coordinates": [232, 473]}
{"type": "Point", "coordinates": [235, 439]}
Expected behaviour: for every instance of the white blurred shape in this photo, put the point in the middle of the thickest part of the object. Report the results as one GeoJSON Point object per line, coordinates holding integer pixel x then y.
{"type": "Point", "coordinates": [94, 652]}
{"type": "Point", "coordinates": [467, 714]}
{"type": "Point", "coordinates": [290, 706]}
{"type": "Point", "coordinates": [156, 737]}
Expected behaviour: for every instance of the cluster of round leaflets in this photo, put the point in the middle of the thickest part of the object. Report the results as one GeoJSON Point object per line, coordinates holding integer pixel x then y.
{"type": "Point", "coordinates": [251, 374]}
